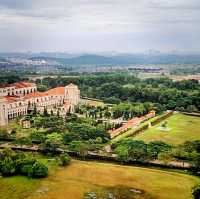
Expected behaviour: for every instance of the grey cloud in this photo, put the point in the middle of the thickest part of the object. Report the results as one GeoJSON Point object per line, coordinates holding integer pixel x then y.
{"type": "Point", "coordinates": [16, 4]}
{"type": "Point", "coordinates": [98, 24]}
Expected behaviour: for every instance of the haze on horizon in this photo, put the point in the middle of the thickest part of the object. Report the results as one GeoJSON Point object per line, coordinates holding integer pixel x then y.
{"type": "Point", "coordinates": [99, 25]}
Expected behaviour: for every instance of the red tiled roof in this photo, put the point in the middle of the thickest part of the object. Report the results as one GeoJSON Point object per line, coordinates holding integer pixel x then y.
{"type": "Point", "coordinates": [56, 91]}
{"type": "Point", "coordinates": [34, 95]}
{"type": "Point", "coordinates": [18, 85]}
{"type": "Point", "coordinates": [23, 84]}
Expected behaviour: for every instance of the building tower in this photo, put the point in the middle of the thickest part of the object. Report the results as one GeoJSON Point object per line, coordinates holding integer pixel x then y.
{"type": "Point", "coordinates": [3, 112]}
{"type": "Point", "coordinates": [72, 94]}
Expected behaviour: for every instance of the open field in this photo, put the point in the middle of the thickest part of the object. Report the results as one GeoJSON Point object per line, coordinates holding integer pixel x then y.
{"type": "Point", "coordinates": [181, 128]}
{"type": "Point", "coordinates": [93, 102]}
{"type": "Point", "coordinates": [80, 177]}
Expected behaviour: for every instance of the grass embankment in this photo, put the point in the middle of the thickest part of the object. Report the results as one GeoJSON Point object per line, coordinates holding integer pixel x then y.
{"type": "Point", "coordinates": [181, 128]}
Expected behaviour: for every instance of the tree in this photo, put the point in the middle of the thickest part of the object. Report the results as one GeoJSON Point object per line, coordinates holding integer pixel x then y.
{"type": "Point", "coordinates": [23, 141]}
{"type": "Point", "coordinates": [8, 167]}
{"type": "Point", "coordinates": [41, 88]}
{"type": "Point", "coordinates": [107, 114]}
{"type": "Point", "coordinates": [191, 108]}
{"type": "Point", "coordinates": [166, 157]}
{"type": "Point", "coordinates": [128, 149]}
{"type": "Point", "coordinates": [196, 192]}
{"type": "Point", "coordinates": [156, 147]}
{"type": "Point", "coordinates": [37, 137]}
{"type": "Point", "coordinates": [58, 113]}
{"type": "Point", "coordinates": [40, 170]}
{"type": "Point", "coordinates": [81, 147]}
{"type": "Point", "coordinates": [34, 109]}
{"type": "Point", "coordinates": [52, 143]}
{"type": "Point", "coordinates": [45, 113]}
{"type": "Point", "coordinates": [122, 153]}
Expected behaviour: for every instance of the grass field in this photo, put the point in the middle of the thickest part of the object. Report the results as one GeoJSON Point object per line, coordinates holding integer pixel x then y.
{"type": "Point", "coordinates": [181, 128]}
{"type": "Point", "coordinates": [81, 177]}
{"type": "Point", "coordinates": [94, 102]}
{"type": "Point", "coordinates": [17, 187]}
{"type": "Point", "coordinates": [73, 181]}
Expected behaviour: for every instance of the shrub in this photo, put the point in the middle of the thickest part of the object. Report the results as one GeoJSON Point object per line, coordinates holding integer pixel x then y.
{"type": "Point", "coordinates": [196, 192]}
{"type": "Point", "coordinates": [39, 170]}
{"type": "Point", "coordinates": [64, 159]}
{"type": "Point", "coordinates": [27, 170]}
{"type": "Point", "coordinates": [8, 167]}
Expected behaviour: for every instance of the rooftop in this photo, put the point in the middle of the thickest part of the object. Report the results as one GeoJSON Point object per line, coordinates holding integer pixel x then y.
{"type": "Point", "coordinates": [18, 85]}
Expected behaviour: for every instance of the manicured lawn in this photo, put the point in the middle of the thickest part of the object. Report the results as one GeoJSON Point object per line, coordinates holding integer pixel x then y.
{"type": "Point", "coordinates": [80, 177]}
{"type": "Point", "coordinates": [181, 128]}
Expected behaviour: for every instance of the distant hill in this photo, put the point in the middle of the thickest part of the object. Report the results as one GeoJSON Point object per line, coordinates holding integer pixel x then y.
{"type": "Point", "coordinates": [128, 59]}
{"type": "Point", "coordinates": [119, 59]}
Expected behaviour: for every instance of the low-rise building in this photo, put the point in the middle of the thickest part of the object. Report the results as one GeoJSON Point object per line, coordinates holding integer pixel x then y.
{"type": "Point", "coordinates": [20, 98]}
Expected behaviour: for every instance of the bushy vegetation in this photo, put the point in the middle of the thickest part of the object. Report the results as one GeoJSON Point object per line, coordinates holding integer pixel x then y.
{"type": "Point", "coordinates": [12, 163]}
{"type": "Point", "coordinates": [113, 88]}
{"type": "Point", "coordinates": [64, 159]}
{"type": "Point", "coordinates": [129, 149]}
{"type": "Point", "coordinates": [196, 192]}
{"type": "Point", "coordinates": [137, 150]}
{"type": "Point", "coordinates": [4, 135]}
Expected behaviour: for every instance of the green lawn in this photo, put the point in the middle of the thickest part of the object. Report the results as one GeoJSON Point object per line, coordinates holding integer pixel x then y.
{"type": "Point", "coordinates": [17, 187]}
{"type": "Point", "coordinates": [22, 132]}
{"type": "Point", "coordinates": [181, 128]}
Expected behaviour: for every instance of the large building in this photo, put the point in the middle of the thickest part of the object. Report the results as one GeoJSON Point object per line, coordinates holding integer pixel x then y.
{"type": "Point", "coordinates": [19, 98]}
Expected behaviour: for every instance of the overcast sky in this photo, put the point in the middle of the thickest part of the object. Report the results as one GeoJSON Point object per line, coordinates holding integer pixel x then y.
{"type": "Point", "coordinates": [99, 25]}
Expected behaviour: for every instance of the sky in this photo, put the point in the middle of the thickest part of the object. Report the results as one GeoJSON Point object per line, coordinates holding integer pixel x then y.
{"type": "Point", "coordinates": [99, 25]}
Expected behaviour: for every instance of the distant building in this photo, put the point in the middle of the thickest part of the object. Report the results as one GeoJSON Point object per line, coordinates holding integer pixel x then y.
{"type": "Point", "coordinates": [177, 78]}
{"type": "Point", "coordinates": [19, 98]}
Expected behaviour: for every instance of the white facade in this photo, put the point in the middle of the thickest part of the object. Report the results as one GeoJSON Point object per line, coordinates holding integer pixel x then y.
{"type": "Point", "coordinates": [61, 99]}
{"type": "Point", "coordinates": [3, 112]}
{"type": "Point", "coordinates": [17, 89]}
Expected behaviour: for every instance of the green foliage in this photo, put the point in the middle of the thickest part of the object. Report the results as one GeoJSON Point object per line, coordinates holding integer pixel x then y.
{"type": "Point", "coordinates": [8, 166]}
{"type": "Point", "coordinates": [52, 143]}
{"type": "Point", "coordinates": [156, 147]}
{"type": "Point", "coordinates": [39, 170]}
{"type": "Point", "coordinates": [86, 131]}
{"type": "Point", "coordinates": [4, 135]}
{"type": "Point", "coordinates": [81, 147]}
{"type": "Point", "coordinates": [12, 163]}
{"type": "Point", "coordinates": [37, 137]}
{"type": "Point", "coordinates": [41, 88]}
{"type": "Point", "coordinates": [64, 159]}
{"type": "Point", "coordinates": [196, 192]}
{"type": "Point", "coordinates": [128, 149]}
{"type": "Point", "coordinates": [23, 141]}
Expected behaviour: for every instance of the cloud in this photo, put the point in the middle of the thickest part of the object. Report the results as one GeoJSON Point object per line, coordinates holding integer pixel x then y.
{"type": "Point", "coordinates": [33, 21]}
